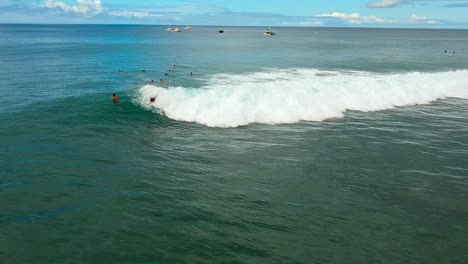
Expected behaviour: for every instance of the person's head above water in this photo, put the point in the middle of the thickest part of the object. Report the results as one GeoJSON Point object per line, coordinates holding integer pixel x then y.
{"type": "Point", "coordinates": [115, 99]}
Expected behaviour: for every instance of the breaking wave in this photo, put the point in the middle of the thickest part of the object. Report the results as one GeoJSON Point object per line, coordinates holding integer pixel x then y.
{"type": "Point", "coordinates": [294, 95]}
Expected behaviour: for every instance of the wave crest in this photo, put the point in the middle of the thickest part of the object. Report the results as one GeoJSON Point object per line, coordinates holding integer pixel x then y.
{"type": "Point", "coordinates": [294, 95]}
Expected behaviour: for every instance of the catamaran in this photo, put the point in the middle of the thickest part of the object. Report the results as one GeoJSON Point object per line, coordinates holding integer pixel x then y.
{"type": "Point", "coordinates": [173, 29]}
{"type": "Point", "coordinates": [269, 32]}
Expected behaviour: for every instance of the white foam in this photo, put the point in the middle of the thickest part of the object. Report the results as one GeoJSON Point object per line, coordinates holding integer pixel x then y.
{"type": "Point", "coordinates": [293, 95]}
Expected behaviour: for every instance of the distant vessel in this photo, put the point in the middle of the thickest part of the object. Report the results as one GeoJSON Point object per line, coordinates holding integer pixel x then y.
{"type": "Point", "coordinates": [269, 32]}
{"type": "Point", "coordinates": [187, 28]}
{"type": "Point", "coordinates": [221, 30]}
{"type": "Point", "coordinates": [173, 29]}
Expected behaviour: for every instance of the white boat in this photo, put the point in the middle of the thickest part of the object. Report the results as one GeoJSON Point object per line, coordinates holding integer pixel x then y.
{"type": "Point", "coordinates": [269, 32]}
{"type": "Point", "coordinates": [187, 28]}
{"type": "Point", "coordinates": [173, 29]}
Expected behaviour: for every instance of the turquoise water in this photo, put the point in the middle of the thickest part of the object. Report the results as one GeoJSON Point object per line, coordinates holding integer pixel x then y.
{"type": "Point", "coordinates": [320, 145]}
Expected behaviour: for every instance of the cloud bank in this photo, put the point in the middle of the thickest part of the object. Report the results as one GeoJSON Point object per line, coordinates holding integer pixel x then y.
{"type": "Point", "coordinates": [132, 14]}
{"type": "Point", "coordinates": [415, 19]}
{"type": "Point", "coordinates": [355, 18]}
{"type": "Point", "coordinates": [83, 7]}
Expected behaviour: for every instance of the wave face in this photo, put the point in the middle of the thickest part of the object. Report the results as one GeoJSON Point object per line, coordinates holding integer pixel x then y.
{"type": "Point", "coordinates": [294, 95]}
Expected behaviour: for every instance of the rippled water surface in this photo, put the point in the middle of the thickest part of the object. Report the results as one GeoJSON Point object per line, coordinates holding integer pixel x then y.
{"type": "Point", "coordinates": [316, 146]}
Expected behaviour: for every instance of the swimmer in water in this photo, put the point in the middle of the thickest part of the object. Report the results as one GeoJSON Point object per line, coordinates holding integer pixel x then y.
{"type": "Point", "coordinates": [152, 99]}
{"type": "Point", "coordinates": [161, 80]}
{"type": "Point", "coordinates": [115, 99]}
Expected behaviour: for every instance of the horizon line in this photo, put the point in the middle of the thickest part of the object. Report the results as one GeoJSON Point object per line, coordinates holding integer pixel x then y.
{"type": "Point", "coordinates": [200, 25]}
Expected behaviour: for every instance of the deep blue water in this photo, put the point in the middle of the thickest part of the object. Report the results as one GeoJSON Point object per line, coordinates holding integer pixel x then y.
{"type": "Point", "coordinates": [317, 145]}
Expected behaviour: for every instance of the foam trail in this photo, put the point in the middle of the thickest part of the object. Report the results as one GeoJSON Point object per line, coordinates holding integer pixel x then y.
{"type": "Point", "coordinates": [290, 96]}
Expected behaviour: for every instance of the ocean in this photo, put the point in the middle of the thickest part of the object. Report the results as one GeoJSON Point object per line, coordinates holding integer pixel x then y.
{"type": "Point", "coordinates": [317, 145]}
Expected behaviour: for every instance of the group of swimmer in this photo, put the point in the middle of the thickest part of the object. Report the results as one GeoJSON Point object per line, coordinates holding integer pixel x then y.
{"type": "Point", "coordinates": [167, 73]}
{"type": "Point", "coordinates": [453, 52]}
{"type": "Point", "coordinates": [115, 99]}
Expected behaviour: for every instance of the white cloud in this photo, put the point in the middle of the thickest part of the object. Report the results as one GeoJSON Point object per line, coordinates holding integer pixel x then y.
{"type": "Point", "coordinates": [415, 19]}
{"type": "Point", "coordinates": [355, 18]}
{"type": "Point", "coordinates": [310, 23]}
{"type": "Point", "coordinates": [135, 14]}
{"type": "Point", "coordinates": [385, 3]}
{"type": "Point", "coordinates": [394, 3]}
{"type": "Point", "coordinates": [298, 22]}
{"type": "Point", "coordinates": [83, 7]}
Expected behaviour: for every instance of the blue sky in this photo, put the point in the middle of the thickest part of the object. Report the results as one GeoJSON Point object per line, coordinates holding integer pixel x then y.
{"type": "Point", "coordinates": [343, 13]}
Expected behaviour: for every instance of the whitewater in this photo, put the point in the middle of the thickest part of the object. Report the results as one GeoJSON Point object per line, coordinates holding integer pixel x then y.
{"type": "Point", "coordinates": [284, 96]}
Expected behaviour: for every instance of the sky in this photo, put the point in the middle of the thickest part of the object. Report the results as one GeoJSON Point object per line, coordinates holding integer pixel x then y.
{"type": "Point", "coordinates": [302, 13]}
